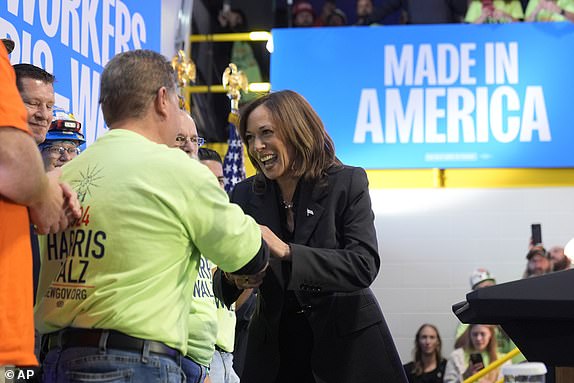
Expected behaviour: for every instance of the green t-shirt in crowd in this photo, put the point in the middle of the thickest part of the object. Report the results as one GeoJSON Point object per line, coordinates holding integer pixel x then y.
{"type": "Point", "coordinates": [512, 7]}
{"type": "Point", "coordinates": [130, 263]}
{"type": "Point", "coordinates": [226, 326]}
{"type": "Point", "coordinates": [545, 15]}
{"type": "Point", "coordinates": [203, 322]}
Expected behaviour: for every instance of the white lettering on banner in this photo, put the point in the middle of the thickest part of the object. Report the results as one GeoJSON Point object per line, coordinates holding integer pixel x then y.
{"type": "Point", "coordinates": [447, 54]}
{"type": "Point", "coordinates": [465, 112]}
{"type": "Point", "coordinates": [76, 22]}
{"type": "Point", "coordinates": [428, 109]}
{"type": "Point", "coordinates": [466, 63]}
{"type": "Point", "coordinates": [398, 71]}
{"type": "Point", "coordinates": [460, 113]}
{"type": "Point", "coordinates": [501, 63]}
{"type": "Point", "coordinates": [408, 124]}
{"type": "Point", "coordinates": [433, 113]}
{"type": "Point", "coordinates": [50, 27]}
{"type": "Point", "coordinates": [70, 12]}
{"type": "Point", "coordinates": [89, 29]}
{"type": "Point", "coordinates": [138, 30]}
{"type": "Point", "coordinates": [107, 30]}
{"type": "Point", "coordinates": [85, 97]}
{"type": "Point", "coordinates": [453, 64]}
{"type": "Point", "coordinates": [38, 53]}
{"type": "Point", "coordinates": [368, 118]}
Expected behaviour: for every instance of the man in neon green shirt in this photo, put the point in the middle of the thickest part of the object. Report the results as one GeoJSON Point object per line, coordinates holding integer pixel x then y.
{"type": "Point", "coordinates": [115, 289]}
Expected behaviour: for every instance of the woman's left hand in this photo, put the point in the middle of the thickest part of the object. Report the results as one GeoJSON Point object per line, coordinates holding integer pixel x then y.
{"type": "Point", "coordinates": [277, 247]}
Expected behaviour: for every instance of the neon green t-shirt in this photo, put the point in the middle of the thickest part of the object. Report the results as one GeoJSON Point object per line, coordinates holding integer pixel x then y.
{"type": "Point", "coordinates": [242, 55]}
{"type": "Point", "coordinates": [130, 262]}
{"type": "Point", "coordinates": [513, 8]}
{"type": "Point", "coordinates": [203, 321]}
{"type": "Point", "coordinates": [544, 15]}
{"type": "Point", "coordinates": [226, 326]}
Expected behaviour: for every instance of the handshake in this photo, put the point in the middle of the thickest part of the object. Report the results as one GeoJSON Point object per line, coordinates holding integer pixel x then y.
{"type": "Point", "coordinates": [246, 281]}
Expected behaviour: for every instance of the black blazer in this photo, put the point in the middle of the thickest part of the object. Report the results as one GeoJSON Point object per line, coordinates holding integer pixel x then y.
{"type": "Point", "coordinates": [334, 261]}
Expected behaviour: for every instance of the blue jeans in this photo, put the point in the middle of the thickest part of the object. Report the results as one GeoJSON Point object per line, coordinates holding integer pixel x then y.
{"type": "Point", "coordinates": [90, 364]}
{"type": "Point", "coordinates": [221, 368]}
{"type": "Point", "coordinates": [194, 372]}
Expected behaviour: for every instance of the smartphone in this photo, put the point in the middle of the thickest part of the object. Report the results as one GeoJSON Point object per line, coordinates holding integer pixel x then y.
{"type": "Point", "coordinates": [536, 229]}
{"type": "Point", "coordinates": [476, 358]}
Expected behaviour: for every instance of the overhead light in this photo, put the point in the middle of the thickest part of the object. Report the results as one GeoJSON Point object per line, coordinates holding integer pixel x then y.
{"type": "Point", "coordinates": [259, 87]}
{"type": "Point", "coordinates": [569, 248]}
{"type": "Point", "coordinates": [259, 36]}
{"type": "Point", "coordinates": [269, 44]}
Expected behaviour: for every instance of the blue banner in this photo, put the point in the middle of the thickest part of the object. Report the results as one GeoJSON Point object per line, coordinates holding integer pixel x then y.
{"type": "Point", "coordinates": [74, 40]}
{"type": "Point", "coordinates": [436, 96]}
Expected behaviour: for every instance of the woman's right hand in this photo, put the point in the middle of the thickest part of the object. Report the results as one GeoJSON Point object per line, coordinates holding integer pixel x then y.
{"type": "Point", "coordinates": [472, 369]}
{"type": "Point", "coordinates": [277, 247]}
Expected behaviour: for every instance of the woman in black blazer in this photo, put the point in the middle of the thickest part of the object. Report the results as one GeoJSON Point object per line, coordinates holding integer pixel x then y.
{"type": "Point", "coordinates": [316, 318]}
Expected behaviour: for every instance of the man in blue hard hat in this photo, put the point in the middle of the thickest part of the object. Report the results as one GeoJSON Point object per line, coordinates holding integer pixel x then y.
{"type": "Point", "coordinates": [62, 140]}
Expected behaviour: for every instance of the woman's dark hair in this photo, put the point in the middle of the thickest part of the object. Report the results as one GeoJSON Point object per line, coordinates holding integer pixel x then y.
{"type": "Point", "coordinates": [299, 126]}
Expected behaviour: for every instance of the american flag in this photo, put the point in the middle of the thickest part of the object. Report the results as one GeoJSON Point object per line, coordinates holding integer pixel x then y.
{"type": "Point", "coordinates": [233, 169]}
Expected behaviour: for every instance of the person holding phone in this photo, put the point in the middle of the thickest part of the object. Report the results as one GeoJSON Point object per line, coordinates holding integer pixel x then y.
{"type": "Point", "coordinates": [477, 352]}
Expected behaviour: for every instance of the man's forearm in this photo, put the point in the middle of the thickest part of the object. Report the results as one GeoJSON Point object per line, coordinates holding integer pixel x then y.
{"type": "Point", "coordinates": [22, 176]}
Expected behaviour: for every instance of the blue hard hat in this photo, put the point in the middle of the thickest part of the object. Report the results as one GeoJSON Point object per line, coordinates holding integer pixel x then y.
{"type": "Point", "coordinates": [63, 135]}
{"type": "Point", "coordinates": [64, 127]}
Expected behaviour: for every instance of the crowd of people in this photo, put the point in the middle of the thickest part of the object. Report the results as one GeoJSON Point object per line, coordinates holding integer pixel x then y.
{"type": "Point", "coordinates": [142, 257]}
{"type": "Point", "coordinates": [476, 345]}
{"type": "Point", "coordinates": [137, 264]}
{"type": "Point", "coordinates": [392, 12]}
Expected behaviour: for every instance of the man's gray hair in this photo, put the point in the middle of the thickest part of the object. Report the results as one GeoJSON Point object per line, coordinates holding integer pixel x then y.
{"type": "Point", "coordinates": [130, 82]}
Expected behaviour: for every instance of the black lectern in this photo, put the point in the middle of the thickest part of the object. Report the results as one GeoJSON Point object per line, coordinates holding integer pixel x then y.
{"type": "Point", "coordinates": [537, 313]}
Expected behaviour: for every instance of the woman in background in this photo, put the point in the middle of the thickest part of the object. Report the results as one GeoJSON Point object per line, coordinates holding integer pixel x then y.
{"type": "Point", "coordinates": [428, 365]}
{"type": "Point", "coordinates": [479, 350]}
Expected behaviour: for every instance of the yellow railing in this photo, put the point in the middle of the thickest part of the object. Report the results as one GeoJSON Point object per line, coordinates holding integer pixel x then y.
{"type": "Point", "coordinates": [253, 87]}
{"type": "Point", "coordinates": [226, 37]}
{"type": "Point", "coordinates": [469, 178]}
{"type": "Point", "coordinates": [494, 365]}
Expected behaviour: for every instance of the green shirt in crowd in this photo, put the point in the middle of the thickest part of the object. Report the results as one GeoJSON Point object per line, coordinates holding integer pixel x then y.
{"type": "Point", "coordinates": [511, 7]}
{"type": "Point", "coordinates": [226, 326]}
{"type": "Point", "coordinates": [203, 321]}
{"type": "Point", "coordinates": [545, 15]}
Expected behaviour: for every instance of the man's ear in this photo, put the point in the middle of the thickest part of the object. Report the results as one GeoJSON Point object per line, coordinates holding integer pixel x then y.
{"type": "Point", "coordinates": [161, 102]}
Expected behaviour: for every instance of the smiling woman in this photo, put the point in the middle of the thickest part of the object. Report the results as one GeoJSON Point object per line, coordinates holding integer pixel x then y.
{"type": "Point", "coordinates": [317, 319]}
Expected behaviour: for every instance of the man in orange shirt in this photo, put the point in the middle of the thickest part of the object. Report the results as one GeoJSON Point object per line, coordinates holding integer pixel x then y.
{"type": "Point", "coordinates": [26, 193]}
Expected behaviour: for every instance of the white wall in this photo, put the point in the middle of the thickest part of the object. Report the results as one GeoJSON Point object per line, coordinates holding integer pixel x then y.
{"type": "Point", "coordinates": [430, 240]}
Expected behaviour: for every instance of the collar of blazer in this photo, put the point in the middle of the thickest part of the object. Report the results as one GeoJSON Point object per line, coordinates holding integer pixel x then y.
{"type": "Point", "coordinates": [308, 208]}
